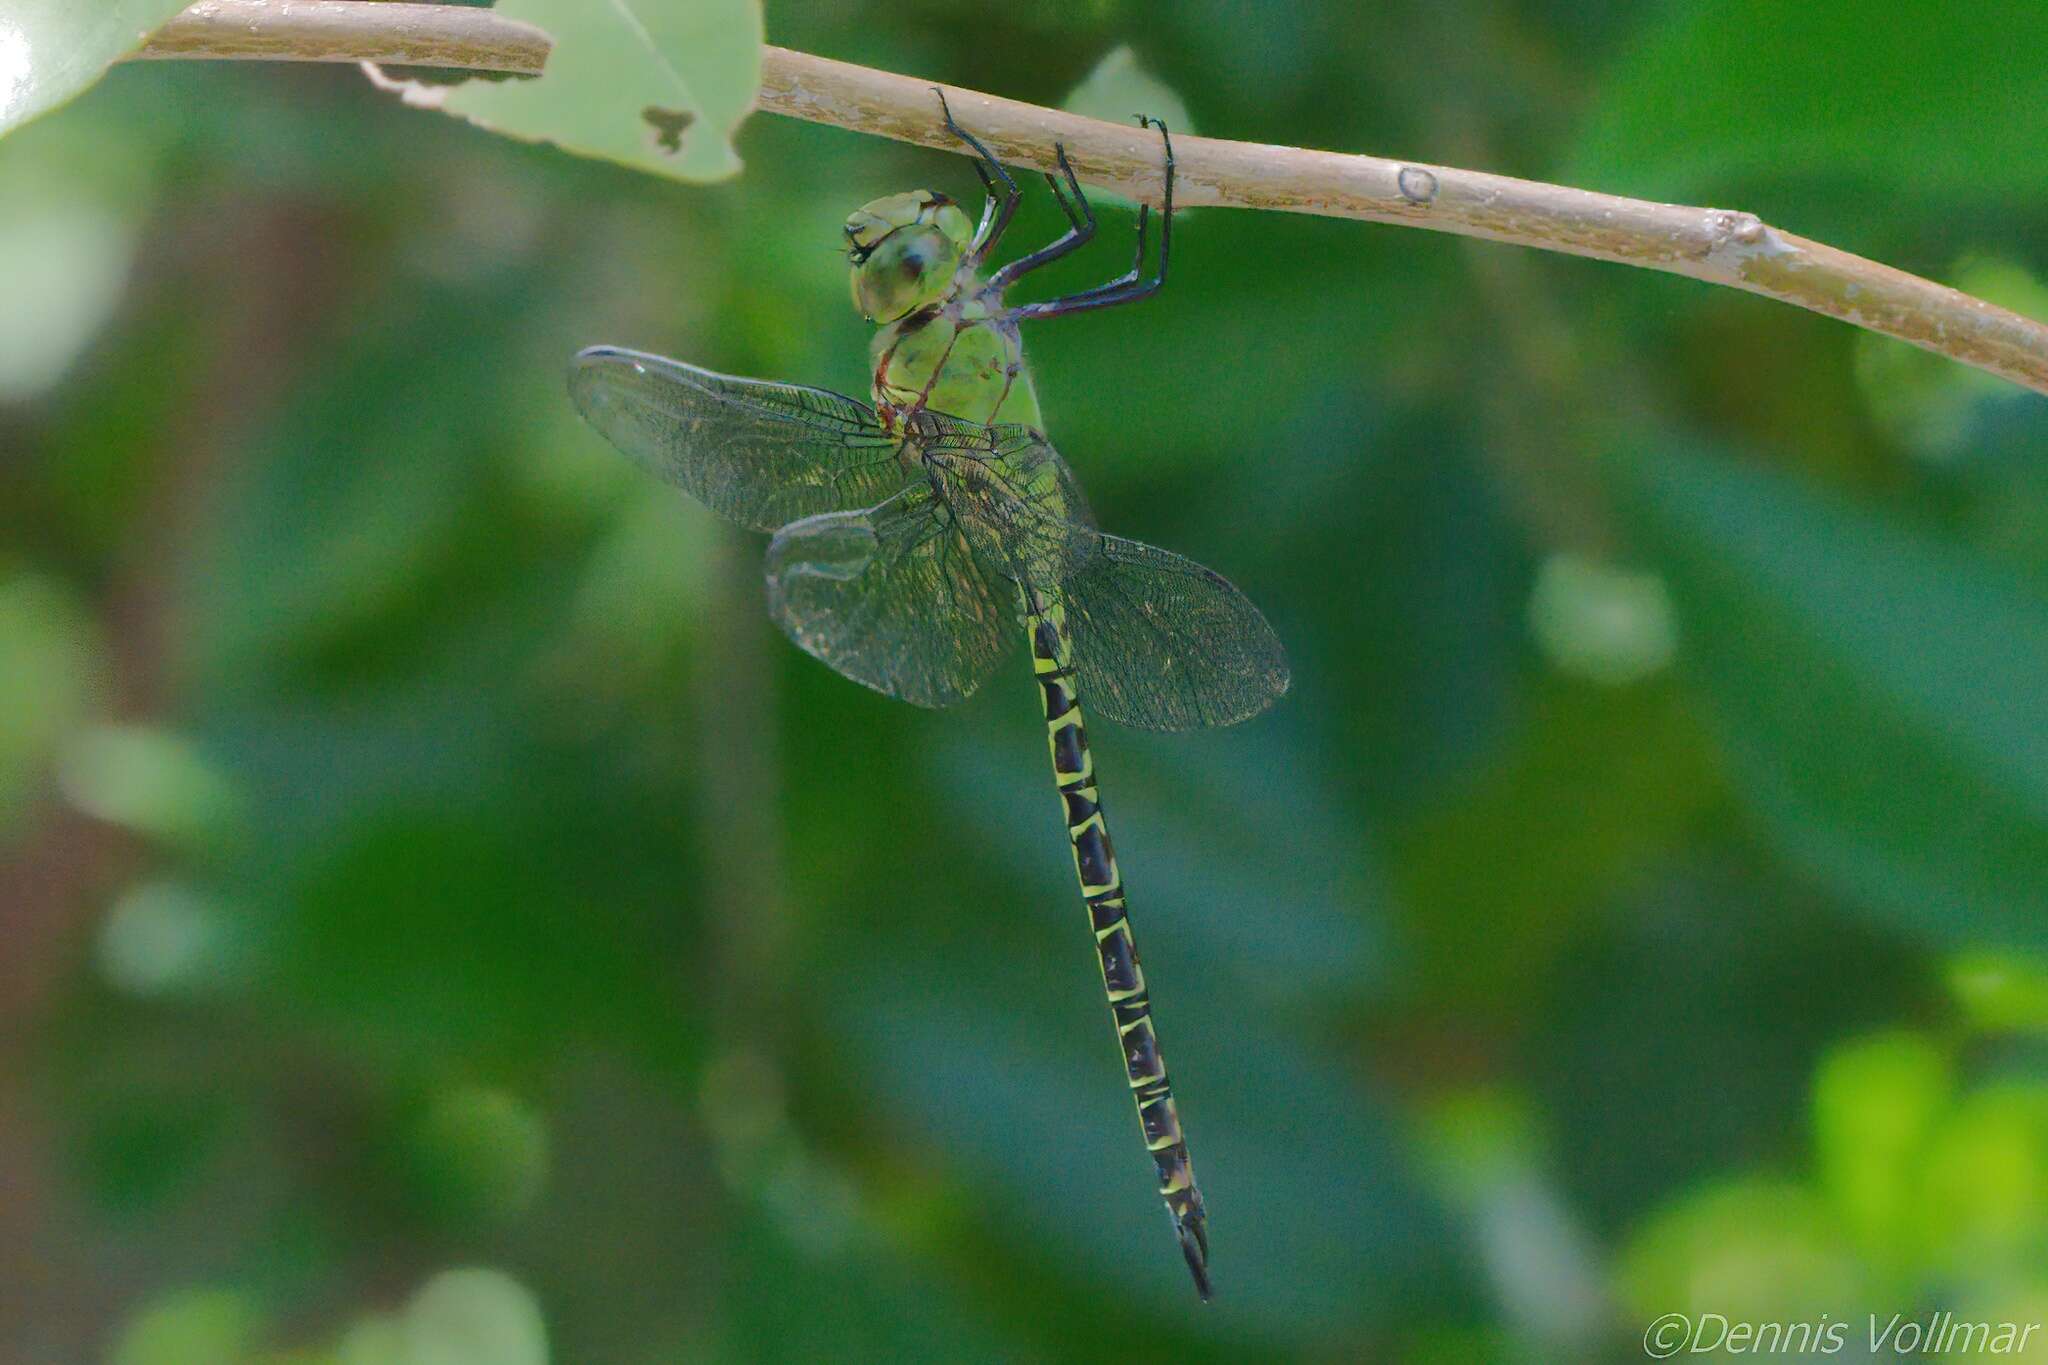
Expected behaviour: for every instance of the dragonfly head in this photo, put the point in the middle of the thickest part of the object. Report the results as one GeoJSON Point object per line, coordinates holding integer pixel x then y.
{"type": "Point", "coordinates": [905, 250]}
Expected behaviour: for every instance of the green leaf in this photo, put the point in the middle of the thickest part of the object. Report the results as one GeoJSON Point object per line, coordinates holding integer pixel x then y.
{"type": "Point", "coordinates": [1597, 786]}
{"type": "Point", "coordinates": [1875, 1101]}
{"type": "Point", "coordinates": [1750, 1249]}
{"type": "Point", "coordinates": [475, 1317]}
{"type": "Point", "coordinates": [1882, 698]}
{"type": "Point", "coordinates": [1119, 90]}
{"type": "Point", "coordinates": [52, 49]}
{"type": "Point", "coordinates": [187, 1325]}
{"type": "Point", "coordinates": [658, 85]}
{"type": "Point", "coordinates": [475, 1155]}
{"type": "Point", "coordinates": [2000, 992]}
{"type": "Point", "coordinates": [1935, 99]}
{"type": "Point", "coordinates": [154, 782]}
{"type": "Point", "coordinates": [1982, 1197]}
{"type": "Point", "coordinates": [66, 243]}
{"type": "Point", "coordinates": [49, 663]}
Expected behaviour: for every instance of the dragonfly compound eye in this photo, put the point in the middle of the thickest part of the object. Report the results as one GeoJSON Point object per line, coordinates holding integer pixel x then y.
{"type": "Point", "coordinates": [904, 271]}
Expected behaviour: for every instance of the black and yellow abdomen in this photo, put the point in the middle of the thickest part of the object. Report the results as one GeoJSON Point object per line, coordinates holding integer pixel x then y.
{"type": "Point", "coordinates": [1102, 888]}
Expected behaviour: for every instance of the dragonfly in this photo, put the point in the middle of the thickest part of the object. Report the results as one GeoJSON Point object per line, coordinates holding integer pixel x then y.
{"type": "Point", "coordinates": [914, 540]}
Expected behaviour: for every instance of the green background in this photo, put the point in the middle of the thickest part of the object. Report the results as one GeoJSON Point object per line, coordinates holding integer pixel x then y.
{"type": "Point", "coordinates": [445, 922]}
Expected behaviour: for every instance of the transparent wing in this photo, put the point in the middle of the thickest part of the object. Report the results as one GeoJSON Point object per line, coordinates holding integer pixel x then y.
{"type": "Point", "coordinates": [1010, 461]}
{"type": "Point", "coordinates": [892, 597]}
{"type": "Point", "coordinates": [1160, 642]}
{"type": "Point", "coordinates": [761, 454]}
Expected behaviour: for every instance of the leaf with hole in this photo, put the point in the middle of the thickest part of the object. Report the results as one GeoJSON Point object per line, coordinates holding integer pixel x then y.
{"type": "Point", "coordinates": [658, 85]}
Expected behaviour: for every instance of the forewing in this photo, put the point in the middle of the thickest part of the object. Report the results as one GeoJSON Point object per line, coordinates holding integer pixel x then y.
{"type": "Point", "coordinates": [892, 597]}
{"type": "Point", "coordinates": [1162, 643]}
{"type": "Point", "coordinates": [761, 454]}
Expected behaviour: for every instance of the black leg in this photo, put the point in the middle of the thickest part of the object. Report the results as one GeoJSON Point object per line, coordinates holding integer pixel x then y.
{"type": "Point", "coordinates": [1080, 217]}
{"type": "Point", "coordinates": [997, 211]}
{"type": "Point", "coordinates": [1128, 288]}
{"type": "Point", "coordinates": [1129, 277]}
{"type": "Point", "coordinates": [1076, 221]}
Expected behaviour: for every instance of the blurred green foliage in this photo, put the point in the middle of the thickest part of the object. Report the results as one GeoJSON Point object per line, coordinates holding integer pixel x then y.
{"type": "Point", "coordinates": [447, 924]}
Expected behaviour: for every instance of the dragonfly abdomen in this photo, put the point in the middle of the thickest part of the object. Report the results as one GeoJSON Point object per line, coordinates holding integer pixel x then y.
{"type": "Point", "coordinates": [1123, 979]}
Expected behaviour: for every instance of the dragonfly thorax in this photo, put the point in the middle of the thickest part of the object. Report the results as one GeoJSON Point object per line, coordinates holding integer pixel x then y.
{"type": "Point", "coordinates": [905, 250]}
{"type": "Point", "coordinates": [945, 344]}
{"type": "Point", "coordinates": [957, 357]}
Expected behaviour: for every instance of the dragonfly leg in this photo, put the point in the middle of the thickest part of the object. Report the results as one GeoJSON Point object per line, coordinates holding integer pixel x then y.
{"type": "Point", "coordinates": [1079, 217]}
{"type": "Point", "coordinates": [1080, 227]}
{"type": "Point", "coordinates": [1127, 288]}
{"type": "Point", "coordinates": [997, 210]}
{"type": "Point", "coordinates": [1129, 277]}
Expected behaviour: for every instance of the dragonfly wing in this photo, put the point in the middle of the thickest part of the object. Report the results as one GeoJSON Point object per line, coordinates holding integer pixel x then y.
{"type": "Point", "coordinates": [1160, 642]}
{"type": "Point", "coordinates": [1005, 462]}
{"type": "Point", "coordinates": [758, 453]}
{"type": "Point", "coordinates": [1163, 643]}
{"type": "Point", "coordinates": [891, 597]}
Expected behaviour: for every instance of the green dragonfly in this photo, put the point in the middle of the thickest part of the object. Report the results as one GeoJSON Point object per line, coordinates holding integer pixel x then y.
{"type": "Point", "coordinates": [915, 539]}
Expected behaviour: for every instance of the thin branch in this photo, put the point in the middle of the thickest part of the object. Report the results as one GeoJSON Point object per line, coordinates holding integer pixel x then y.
{"type": "Point", "coordinates": [1719, 246]}
{"type": "Point", "coordinates": [352, 31]}
{"type": "Point", "coordinates": [1715, 245]}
